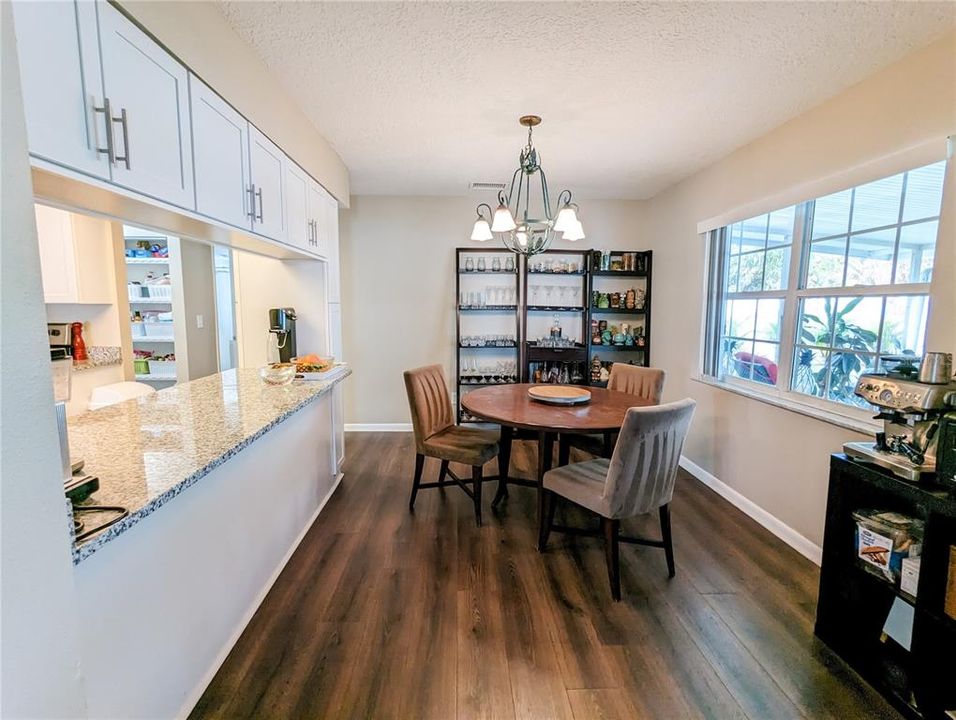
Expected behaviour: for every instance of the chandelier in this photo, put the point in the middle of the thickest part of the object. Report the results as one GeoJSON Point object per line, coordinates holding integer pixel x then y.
{"type": "Point", "coordinates": [513, 223]}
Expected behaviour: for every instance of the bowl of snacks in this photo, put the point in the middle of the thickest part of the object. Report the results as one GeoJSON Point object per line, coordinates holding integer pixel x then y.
{"type": "Point", "coordinates": [313, 367]}
{"type": "Point", "coordinates": [278, 373]}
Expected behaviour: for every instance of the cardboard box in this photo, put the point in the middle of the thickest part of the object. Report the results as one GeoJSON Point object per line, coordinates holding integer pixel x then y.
{"type": "Point", "coordinates": [949, 604]}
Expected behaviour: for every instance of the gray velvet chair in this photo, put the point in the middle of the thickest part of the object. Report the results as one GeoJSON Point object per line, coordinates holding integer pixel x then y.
{"type": "Point", "coordinates": [437, 436]}
{"type": "Point", "coordinates": [646, 383]}
{"type": "Point", "coordinates": [638, 478]}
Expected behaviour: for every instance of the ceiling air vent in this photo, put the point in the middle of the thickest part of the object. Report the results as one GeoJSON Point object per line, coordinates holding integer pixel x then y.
{"type": "Point", "coordinates": [482, 186]}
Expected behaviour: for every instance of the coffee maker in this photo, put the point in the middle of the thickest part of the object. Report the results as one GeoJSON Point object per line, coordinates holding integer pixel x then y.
{"type": "Point", "coordinates": [911, 411]}
{"type": "Point", "coordinates": [282, 328]}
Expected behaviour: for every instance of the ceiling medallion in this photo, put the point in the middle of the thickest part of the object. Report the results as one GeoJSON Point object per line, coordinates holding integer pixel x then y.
{"type": "Point", "coordinates": [528, 235]}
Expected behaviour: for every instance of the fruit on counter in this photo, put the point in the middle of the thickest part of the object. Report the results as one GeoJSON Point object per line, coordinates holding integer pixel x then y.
{"type": "Point", "coordinates": [312, 363]}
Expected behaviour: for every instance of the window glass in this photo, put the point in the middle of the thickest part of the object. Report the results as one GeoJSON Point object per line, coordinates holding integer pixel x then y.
{"type": "Point", "coordinates": [864, 257]}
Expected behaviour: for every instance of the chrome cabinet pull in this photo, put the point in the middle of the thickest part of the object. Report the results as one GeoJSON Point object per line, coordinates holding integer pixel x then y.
{"type": "Point", "coordinates": [108, 150]}
{"type": "Point", "coordinates": [123, 120]}
{"type": "Point", "coordinates": [311, 232]}
{"type": "Point", "coordinates": [252, 201]}
{"type": "Point", "coordinates": [258, 195]}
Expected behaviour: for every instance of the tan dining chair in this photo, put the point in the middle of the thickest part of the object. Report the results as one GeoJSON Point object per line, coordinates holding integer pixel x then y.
{"type": "Point", "coordinates": [638, 478]}
{"type": "Point", "coordinates": [437, 436]}
{"type": "Point", "coordinates": [644, 382]}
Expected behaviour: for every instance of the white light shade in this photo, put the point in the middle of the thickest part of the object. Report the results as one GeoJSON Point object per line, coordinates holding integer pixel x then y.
{"type": "Point", "coordinates": [481, 231]}
{"type": "Point", "coordinates": [566, 218]}
{"type": "Point", "coordinates": [574, 232]}
{"type": "Point", "coordinates": [503, 220]}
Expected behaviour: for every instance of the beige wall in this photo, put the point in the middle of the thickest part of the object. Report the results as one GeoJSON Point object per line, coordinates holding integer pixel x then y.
{"type": "Point", "coordinates": [199, 298]}
{"type": "Point", "coordinates": [398, 285]}
{"type": "Point", "coordinates": [776, 458]}
{"type": "Point", "coordinates": [40, 665]}
{"type": "Point", "coordinates": [198, 34]}
{"type": "Point", "coordinates": [262, 283]}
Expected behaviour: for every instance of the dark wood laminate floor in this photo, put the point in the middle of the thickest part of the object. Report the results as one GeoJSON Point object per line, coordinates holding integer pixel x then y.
{"type": "Point", "coordinates": [385, 614]}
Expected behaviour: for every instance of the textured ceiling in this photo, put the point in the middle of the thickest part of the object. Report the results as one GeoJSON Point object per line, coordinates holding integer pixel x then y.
{"type": "Point", "coordinates": [422, 98]}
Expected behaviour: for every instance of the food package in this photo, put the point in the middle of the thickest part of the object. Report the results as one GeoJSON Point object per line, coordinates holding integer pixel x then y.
{"type": "Point", "coordinates": [884, 538]}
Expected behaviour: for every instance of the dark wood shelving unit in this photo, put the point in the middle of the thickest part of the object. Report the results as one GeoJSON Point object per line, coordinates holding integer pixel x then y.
{"type": "Point", "coordinates": [533, 354]}
{"type": "Point", "coordinates": [636, 354]}
{"type": "Point", "coordinates": [473, 313]}
{"type": "Point", "coordinates": [853, 603]}
{"type": "Point", "coordinates": [527, 353]}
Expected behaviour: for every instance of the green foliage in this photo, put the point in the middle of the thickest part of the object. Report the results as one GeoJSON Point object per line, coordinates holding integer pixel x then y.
{"type": "Point", "coordinates": [851, 343]}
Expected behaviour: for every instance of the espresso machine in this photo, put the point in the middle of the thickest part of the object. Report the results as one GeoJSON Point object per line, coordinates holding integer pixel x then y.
{"type": "Point", "coordinates": [911, 408]}
{"type": "Point", "coordinates": [282, 332]}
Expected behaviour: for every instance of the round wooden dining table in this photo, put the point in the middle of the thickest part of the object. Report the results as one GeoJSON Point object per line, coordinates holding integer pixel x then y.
{"type": "Point", "coordinates": [512, 408]}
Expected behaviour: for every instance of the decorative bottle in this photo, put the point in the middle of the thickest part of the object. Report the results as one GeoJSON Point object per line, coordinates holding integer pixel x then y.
{"type": "Point", "coordinates": [79, 345]}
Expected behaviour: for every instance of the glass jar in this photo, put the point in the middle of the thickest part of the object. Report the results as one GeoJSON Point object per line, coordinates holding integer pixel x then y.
{"type": "Point", "coordinates": [469, 264]}
{"type": "Point", "coordinates": [481, 265]}
{"type": "Point", "coordinates": [496, 264]}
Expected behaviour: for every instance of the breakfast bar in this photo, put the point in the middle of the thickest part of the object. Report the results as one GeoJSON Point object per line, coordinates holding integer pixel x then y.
{"type": "Point", "coordinates": [221, 477]}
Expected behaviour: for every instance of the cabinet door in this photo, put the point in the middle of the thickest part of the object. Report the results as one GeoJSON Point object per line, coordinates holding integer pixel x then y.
{"type": "Point", "coordinates": [267, 163]}
{"type": "Point", "coordinates": [332, 227]}
{"type": "Point", "coordinates": [338, 427]}
{"type": "Point", "coordinates": [319, 212]}
{"type": "Point", "coordinates": [57, 260]}
{"type": "Point", "coordinates": [298, 220]}
{"type": "Point", "coordinates": [220, 157]}
{"type": "Point", "coordinates": [153, 143]}
{"type": "Point", "coordinates": [58, 48]}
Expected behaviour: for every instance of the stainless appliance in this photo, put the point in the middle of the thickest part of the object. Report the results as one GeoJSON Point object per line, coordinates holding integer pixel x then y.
{"type": "Point", "coordinates": [910, 411]}
{"type": "Point", "coordinates": [936, 368]}
{"type": "Point", "coordinates": [282, 327]}
{"type": "Point", "coordinates": [61, 339]}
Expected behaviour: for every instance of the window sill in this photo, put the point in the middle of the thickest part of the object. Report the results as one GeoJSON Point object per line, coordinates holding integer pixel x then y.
{"type": "Point", "coordinates": [827, 416]}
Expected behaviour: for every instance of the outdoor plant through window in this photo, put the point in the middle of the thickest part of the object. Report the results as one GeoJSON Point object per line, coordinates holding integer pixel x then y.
{"type": "Point", "coordinates": [810, 296]}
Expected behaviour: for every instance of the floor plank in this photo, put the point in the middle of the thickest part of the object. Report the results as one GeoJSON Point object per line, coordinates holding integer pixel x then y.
{"type": "Point", "coordinates": [387, 614]}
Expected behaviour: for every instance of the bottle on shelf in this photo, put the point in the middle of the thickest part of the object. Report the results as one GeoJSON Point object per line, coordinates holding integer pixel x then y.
{"type": "Point", "coordinates": [556, 328]}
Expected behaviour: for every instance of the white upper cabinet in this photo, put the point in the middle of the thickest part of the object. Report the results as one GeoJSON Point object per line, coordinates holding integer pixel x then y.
{"type": "Point", "coordinates": [220, 156]}
{"type": "Point", "coordinates": [296, 193]}
{"type": "Point", "coordinates": [267, 163]}
{"type": "Point", "coordinates": [76, 258]}
{"type": "Point", "coordinates": [149, 94]}
{"type": "Point", "coordinates": [319, 212]}
{"type": "Point", "coordinates": [58, 49]}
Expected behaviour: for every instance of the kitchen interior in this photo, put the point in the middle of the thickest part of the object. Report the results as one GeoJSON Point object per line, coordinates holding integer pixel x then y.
{"type": "Point", "coordinates": [211, 279]}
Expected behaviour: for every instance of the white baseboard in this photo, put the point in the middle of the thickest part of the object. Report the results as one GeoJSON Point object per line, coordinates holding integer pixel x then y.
{"type": "Point", "coordinates": [798, 542]}
{"type": "Point", "coordinates": [200, 688]}
{"type": "Point", "coordinates": [378, 427]}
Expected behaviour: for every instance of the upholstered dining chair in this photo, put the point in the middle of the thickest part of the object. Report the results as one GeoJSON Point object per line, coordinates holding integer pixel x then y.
{"type": "Point", "coordinates": [646, 383]}
{"type": "Point", "coordinates": [437, 436]}
{"type": "Point", "coordinates": [638, 478]}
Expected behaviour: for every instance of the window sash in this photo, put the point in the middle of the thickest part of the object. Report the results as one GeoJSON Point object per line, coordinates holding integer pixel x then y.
{"type": "Point", "coordinates": [717, 299]}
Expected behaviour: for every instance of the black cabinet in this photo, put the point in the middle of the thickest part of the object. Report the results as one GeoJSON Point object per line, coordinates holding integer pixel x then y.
{"type": "Point", "coordinates": [853, 604]}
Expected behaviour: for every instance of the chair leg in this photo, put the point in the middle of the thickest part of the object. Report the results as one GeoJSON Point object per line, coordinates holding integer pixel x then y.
{"type": "Point", "coordinates": [442, 473]}
{"type": "Point", "coordinates": [547, 522]}
{"type": "Point", "coordinates": [504, 462]}
{"type": "Point", "coordinates": [564, 450]}
{"type": "Point", "coordinates": [665, 512]}
{"type": "Point", "coordinates": [419, 465]}
{"type": "Point", "coordinates": [611, 555]}
{"type": "Point", "coordinates": [476, 482]}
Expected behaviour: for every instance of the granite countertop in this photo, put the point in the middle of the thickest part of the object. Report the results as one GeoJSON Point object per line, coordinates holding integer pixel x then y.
{"type": "Point", "coordinates": [100, 356]}
{"type": "Point", "coordinates": [148, 450]}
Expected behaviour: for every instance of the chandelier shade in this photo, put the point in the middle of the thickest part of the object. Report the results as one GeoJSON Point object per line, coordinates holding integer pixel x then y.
{"type": "Point", "coordinates": [513, 222]}
{"type": "Point", "coordinates": [481, 230]}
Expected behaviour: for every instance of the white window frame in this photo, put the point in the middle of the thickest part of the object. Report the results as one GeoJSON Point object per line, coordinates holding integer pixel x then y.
{"type": "Point", "coordinates": [780, 394]}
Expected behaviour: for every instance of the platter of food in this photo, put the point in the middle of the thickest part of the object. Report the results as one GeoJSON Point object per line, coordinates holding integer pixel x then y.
{"type": "Point", "coordinates": [313, 367]}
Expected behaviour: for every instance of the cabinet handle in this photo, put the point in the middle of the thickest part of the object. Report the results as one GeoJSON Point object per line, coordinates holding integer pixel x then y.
{"type": "Point", "coordinates": [108, 150]}
{"type": "Point", "coordinates": [123, 120]}
{"type": "Point", "coordinates": [311, 232]}
{"type": "Point", "coordinates": [258, 195]}
{"type": "Point", "coordinates": [252, 201]}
